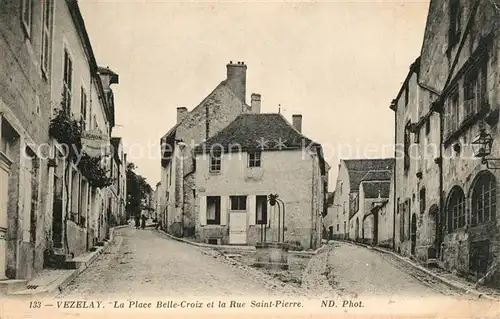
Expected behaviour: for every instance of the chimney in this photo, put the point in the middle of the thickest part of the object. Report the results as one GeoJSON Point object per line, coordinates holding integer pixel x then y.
{"type": "Point", "coordinates": [181, 114]}
{"type": "Point", "coordinates": [297, 122]}
{"type": "Point", "coordinates": [237, 79]}
{"type": "Point", "coordinates": [255, 103]}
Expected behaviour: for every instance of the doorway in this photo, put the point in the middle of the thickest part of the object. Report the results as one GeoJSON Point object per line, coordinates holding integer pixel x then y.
{"type": "Point", "coordinates": [57, 203]}
{"type": "Point", "coordinates": [4, 199]}
{"type": "Point", "coordinates": [238, 228]}
{"type": "Point", "coordinates": [413, 233]}
{"type": "Point", "coordinates": [356, 234]}
{"type": "Point", "coordinates": [375, 228]}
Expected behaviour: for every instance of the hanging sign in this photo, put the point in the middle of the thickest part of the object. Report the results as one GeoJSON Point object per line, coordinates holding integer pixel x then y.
{"type": "Point", "coordinates": [95, 143]}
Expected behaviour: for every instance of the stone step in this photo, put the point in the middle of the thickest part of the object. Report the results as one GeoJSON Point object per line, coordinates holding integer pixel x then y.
{"type": "Point", "coordinates": [10, 286]}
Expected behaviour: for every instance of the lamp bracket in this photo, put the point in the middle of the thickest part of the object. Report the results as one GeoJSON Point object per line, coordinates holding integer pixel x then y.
{"type": "Point", "coordinates": [491, 163]}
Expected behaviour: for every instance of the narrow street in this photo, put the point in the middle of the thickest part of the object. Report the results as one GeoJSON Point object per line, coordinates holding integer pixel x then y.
{"type": "Point", "coordinates": [148, 263]}
{"type": "Point", "coordinates": [359, 271]}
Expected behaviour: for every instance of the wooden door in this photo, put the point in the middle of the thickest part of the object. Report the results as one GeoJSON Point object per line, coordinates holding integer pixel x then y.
{"type": "Point", "coordinates": [4, 196]}
{"type": "Point", "coordinates": [238, 227]}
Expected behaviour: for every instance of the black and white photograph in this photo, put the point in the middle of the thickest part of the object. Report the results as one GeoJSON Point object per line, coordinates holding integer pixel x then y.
{"type": "Point", "coordinates": [218, 158]}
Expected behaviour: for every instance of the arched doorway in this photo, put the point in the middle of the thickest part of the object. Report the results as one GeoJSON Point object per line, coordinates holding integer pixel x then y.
{"type": "Point", "coordinates": [413, 233]}
{"type": "Point", "coordinates": [356, 235]}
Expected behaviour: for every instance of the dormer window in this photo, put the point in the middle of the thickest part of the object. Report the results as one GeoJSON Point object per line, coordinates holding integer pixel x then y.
{"type": "Point", "coordinates": [254, 159]}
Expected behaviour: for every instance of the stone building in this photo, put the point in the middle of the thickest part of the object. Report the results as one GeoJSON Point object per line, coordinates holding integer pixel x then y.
{"type": "Point", "coordinates": [346, 196]}
{"type": "Point", "coordinates": [374, 190]}
{"type": "Point", "coordinates": [446, 198]}
{"type": "Point", "coordinates": [215, 112]}
{"type": "Point", "coordinates": [26, 29]}
{"type": "Point", "coordinates": [255, 156]}
{"type": "Point", "coordinates": [118, 190]}
{"type": "Point", "coordinates": [48, 209]}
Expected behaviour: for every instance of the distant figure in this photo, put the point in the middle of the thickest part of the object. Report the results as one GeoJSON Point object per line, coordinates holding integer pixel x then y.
{"type": "Point", "coordinates": [143, 225]}
{"type": "Point", "coordinates": [137, 221]}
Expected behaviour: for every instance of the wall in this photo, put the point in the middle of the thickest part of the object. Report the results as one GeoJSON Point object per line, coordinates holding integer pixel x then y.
{"type": "Point", "coordinates": [340, 208]}
{"type": "Point", "coordinates": [25, 106]}
{"type": "Point", "coordinates": [284, 172]}
{"type": "Point", "coordinates": [223, 107]}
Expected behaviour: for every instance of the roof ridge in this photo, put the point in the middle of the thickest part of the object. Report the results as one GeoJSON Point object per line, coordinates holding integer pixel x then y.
{"type": "Point", "coordinates": [291, 125]}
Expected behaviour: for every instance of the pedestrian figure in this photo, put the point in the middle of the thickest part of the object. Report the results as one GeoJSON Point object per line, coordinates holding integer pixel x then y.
{"type": "Point", "coordinates": [143, 225]}
{"type": "Point", "coordinates": [137, 221]}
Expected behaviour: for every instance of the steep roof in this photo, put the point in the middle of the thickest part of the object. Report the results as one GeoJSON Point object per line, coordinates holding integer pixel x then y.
{"type": "Point", "coordinates": [358, 168]}
{"type": "Point", "coordinates": [377, 175]}
{"type": "Point", "coordinates": [373, 189]}
{"type": "Point", "coordinates": [256, 131]}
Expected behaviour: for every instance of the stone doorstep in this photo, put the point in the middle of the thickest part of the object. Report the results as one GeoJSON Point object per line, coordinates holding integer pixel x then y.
{"type": "Point", "coordinates": [451, 283]}
{"type": "Point", "coordinates": [67, 275]}
{"type": "Point", "coordinates": [12, 285]}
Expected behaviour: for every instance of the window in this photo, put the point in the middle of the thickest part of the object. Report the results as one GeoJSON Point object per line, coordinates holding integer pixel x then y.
{"type": "Point", "coordinates": [422, 201]}
{"type": "Point", "coordinates": [338, 227]}
{"type": "Point", "coordinates": [215, 163]}
{"type": "Point", "coordinates": [213, 210]}
{"type": "Point", "coordinates": [261, 207]}
{"type": "Point", "coordinates": [67, 79]}
{"type": "Point", "coordinates": [406, 146]}
{"type": "Point", "coordinates": [27, 15]}
{"type": "Point", "coordinates": [455, 209]}
{"type": "Point", "coordinates": [238, 202]}
{"type": "Point", "coordinates": [254, 159]}
{"type": "Point", "coordinates": [83, 107]}
{"type": "Point", "coordinates": [46, 36]}
{"type": "Point", "coordinates": [474, 90]}
{"type": "Point", "coordinates": [455, 22]}
{"type": "Point", "coordinates": [483, 199]}
{"type": "Point", "coordinates": [427, 126]}
{"type": "Point", "coordinates": [452, 114]}
{"type": "Point", "coordinates": [407, 93]}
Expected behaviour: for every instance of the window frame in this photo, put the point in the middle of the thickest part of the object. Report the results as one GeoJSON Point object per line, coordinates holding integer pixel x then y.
{"type": "Point", "coordinates": [239, 199]}
{"type": "Point", "coordinates": [83, 107]}
{"type": "Point", "coordinates": [46, 54]}
{"type": "Point", "coordinates": [456, 214]}
{"type": "Point", "coordinates": [217, 202]}
{"type": "Point", "coordinates": [256, 161]}
{"type": "Point", "coordinates": [67, 78]}
{"type": "Point", "coordinates": [215, 163]}
{"type": "Point", "coordinates": [478, 215]}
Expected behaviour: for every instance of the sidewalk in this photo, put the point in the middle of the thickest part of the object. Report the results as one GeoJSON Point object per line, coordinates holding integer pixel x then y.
{"type": "Point", "coordinates": [50, 280]}
{"type": "Point", "coordinates": [449, 279]}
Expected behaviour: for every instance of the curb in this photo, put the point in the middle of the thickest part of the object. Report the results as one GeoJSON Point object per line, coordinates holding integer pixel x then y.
{"type": "Point", "coordinates": [203, 245]}
{"type": "Point", "coordinates": [464, 289]}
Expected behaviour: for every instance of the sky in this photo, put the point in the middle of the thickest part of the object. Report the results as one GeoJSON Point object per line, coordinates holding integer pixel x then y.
{"type": "Point", "coordinates": [338, 63]}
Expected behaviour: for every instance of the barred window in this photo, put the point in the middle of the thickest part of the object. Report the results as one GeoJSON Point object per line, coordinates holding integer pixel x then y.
{"type": "Point", "coordinates": [455, 209]}
{"type": "Point", "coordinates": [483, 199]}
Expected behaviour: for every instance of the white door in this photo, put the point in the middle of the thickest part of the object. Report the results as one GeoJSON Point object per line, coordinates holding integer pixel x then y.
{"type": "Point", "coordinates": [238, 227]}
{"type": "Point", "coordinates": [4, 184]}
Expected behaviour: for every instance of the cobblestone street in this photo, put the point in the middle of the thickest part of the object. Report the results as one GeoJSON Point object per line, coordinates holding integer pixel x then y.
{"type": "Point", "coordinates": [358, 271]}
{"type": "Point", "coordinates": [147, 263]}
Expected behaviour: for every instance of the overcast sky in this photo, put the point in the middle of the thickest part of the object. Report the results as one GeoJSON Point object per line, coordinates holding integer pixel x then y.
{"type": "Point", "coordinates": [339, 64]}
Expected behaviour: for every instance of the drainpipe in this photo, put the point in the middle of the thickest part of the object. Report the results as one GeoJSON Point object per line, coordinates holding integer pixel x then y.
{"type": "Point", "coordinates": [182, 145]}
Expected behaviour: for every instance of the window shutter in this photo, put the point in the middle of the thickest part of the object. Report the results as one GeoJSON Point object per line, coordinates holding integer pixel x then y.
{"type": "Point", "coordinates": [224, 201]}
{"type": "Point", "coordinates": [203, 210]}
{"type": "Point", "coordinates": [252, 209]}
